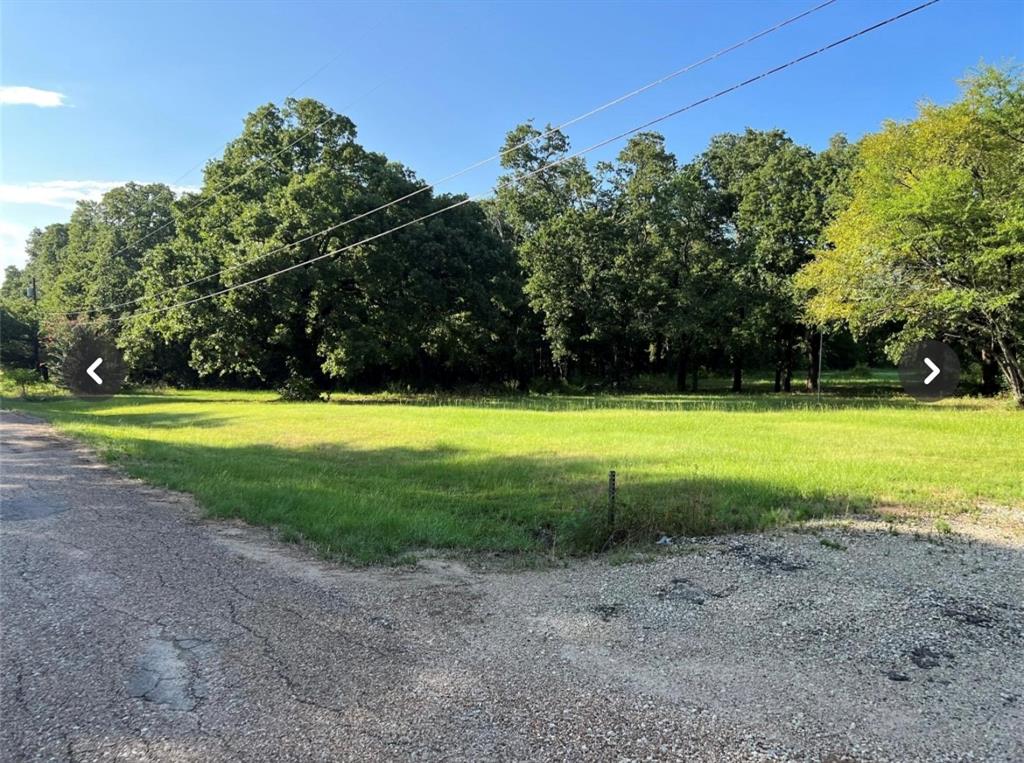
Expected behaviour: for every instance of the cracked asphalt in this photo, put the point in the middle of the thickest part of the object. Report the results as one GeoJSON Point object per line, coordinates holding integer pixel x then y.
{"type": "Point", "coordinates": [132, 629]}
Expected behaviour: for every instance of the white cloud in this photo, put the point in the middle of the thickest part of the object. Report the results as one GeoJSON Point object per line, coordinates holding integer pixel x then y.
{"type": "Point", "coordinates": [55, 193]}
{"type": "Point", "coordinates": [12, 95]}
{"type": "Point", "coordinates": [61, 194]}
{"type": "Point", "coordinates": [64, 193]}
{"type": "Point", "coordinates": [12, 244]}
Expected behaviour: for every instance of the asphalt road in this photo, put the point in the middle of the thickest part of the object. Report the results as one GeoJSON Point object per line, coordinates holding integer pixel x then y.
{"type": "Point", "coordinates": [134, 630]}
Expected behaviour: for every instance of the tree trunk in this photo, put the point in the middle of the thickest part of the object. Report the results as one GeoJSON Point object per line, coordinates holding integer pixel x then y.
{"type": "Point", "coordinates": [989, 372]}
{"type": "Point", "coordinates": [813, 359]}
{"type": "Point", "coordinates": [787, 377]}
{"type": "Point", "coordinates": [737, 374]}
{"type": "Point", "coordinates": [781, 342]}
{"type": "Point", "coordinates": [1010, 363]}
{"type": "Point", "coordinates": [682, 366]}
{"type": "Point", "coordinates": [695, 373]}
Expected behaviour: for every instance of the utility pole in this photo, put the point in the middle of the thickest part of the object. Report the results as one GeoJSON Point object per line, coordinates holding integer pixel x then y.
{"type": "Point", "coordinates": [35, 333]}
{"type": "Point", "coordinates": [821, 354]}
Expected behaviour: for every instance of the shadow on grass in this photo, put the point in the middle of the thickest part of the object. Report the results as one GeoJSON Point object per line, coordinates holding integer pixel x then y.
{"type": "Point", "coordinates": [93, 414]}
{"type": "Point", "coordinates": [371, 505]}
{"type": "Point", "coordinates": [195, 396]}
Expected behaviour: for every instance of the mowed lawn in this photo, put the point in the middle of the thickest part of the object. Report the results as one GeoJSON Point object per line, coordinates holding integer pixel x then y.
{"type": "Point", "coordinates": [369, 478]}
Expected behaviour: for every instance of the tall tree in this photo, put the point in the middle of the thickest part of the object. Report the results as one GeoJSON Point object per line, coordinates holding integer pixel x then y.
{"type": "Point", "coordinates": [728, 165]}
{"type": "Point", "coordinates": [423, 304]}
{"type": "Point", "coordinates": [776, 197]}
{"type": "Point", "coordinates": [933, 239]}
{"type": "Point", "coordinates": [666, 214]}
{"type": "Point", "coordinates": [549, 208]}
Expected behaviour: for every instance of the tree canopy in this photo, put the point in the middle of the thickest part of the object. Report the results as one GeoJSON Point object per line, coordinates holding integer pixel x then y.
{"type": "Point", "coordinates": [932, 240]}
{"type": "Point", "coordinates": [644, 264]}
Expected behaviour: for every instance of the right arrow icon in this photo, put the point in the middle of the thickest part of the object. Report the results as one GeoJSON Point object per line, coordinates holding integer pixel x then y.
{"type": "Point", "coordinates": [929, 371]}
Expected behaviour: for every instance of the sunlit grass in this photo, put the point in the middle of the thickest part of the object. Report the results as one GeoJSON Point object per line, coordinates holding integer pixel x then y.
{"type": "Point", "coordinates": [373, 477]}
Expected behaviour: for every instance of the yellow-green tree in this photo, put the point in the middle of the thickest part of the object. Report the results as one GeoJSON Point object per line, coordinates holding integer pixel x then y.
{"type": "Point", "coordinates": [933, 238]}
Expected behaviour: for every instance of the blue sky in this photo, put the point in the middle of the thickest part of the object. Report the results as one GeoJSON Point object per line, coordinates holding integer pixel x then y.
{"type": "Point", "coordinates": [149, 91]}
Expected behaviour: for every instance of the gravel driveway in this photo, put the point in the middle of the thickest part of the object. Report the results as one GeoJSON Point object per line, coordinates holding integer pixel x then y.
{"type": "Point", "coordinates": [134, 630]}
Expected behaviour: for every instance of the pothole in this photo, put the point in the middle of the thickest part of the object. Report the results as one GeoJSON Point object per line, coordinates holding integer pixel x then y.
{"type": "Point", "coordinates": [22, 506]}
{"type": "Point", "coordinates": [767, 560]}
{"type": "Point", "coordinates": [927, 657]}
{"type": "Point", "coordinates": [162, 674]}
{"type": "Point", "coordinates": [681, 589]}
{"type": "Point", "coordinates": [608, 612]}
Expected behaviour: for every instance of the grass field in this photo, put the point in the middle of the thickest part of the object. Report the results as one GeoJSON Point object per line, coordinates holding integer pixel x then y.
{"type": "Point", "coordinates": [372, 478]}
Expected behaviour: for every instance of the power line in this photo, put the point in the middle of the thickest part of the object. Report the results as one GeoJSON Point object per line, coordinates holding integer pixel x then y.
{"type": "Point", "coordinates": [562, 160]}
{"type": "Point", "coordinates": [323, 67]}
{"type": "Point", "coordinates": [205, 199]}
{"type": "Point", "coordinates": [226, 186]}
{"type": "Point", "coordinates": [482, 162]}
{"type": "Point", "coordinates": [306, 134]}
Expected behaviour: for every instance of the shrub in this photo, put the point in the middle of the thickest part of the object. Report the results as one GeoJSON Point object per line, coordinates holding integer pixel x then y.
{"type": "Point", "coordinates": [299, 388]}
{"type": "Point", "coordinates": [21, 377]}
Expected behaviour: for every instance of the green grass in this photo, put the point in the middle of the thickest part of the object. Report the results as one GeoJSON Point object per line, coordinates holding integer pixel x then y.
{"type": "Point", "coordinates": [372, 478]}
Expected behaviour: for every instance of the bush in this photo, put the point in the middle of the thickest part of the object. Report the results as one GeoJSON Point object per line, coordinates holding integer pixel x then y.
{"type": "Point", "coordinates": [860, 371]}
{"type": "Point", "coordinates": [299, 389]}
{"type": "Point", "coordinates": [20, 377]}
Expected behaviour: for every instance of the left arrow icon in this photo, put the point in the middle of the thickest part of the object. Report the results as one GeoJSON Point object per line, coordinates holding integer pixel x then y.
{"type": "Point", "coordinates": [93, 357]}
{"type": "Point", "coordinates": [91, 370]}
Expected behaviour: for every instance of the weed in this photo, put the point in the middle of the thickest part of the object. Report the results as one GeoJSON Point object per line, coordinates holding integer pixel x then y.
{"type": "Point", "coordinates": [833, 544]}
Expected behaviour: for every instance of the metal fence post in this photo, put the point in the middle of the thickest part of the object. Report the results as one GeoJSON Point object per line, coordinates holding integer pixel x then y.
{"type": "Point", "coordinates": [611, 500]}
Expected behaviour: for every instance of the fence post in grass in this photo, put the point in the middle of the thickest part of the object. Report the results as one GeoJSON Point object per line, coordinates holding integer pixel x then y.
{"type": "Point", "coordinates": [611, 500]}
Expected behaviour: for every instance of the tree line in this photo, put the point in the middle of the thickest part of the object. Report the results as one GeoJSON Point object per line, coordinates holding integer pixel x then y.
{"type": "Point", "coordinates": [737, 259]}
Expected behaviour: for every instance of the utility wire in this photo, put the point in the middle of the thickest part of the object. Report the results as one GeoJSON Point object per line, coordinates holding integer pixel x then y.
{"type": "Point", "coordinates": [323, 67]}
{"type": "Point", "coordinates": [470, 168]}
{"type": "Point", "coordinates": [203, 200]}
{"type": "Point", "coordinates": [272, 156]}
{"type": "Point", "coordinates": [562, 160]}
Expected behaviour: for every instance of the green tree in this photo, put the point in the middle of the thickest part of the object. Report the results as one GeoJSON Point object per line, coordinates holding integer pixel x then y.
{"type": "Point", "coordinates": [426, 304]}
{"type": "Point", "coordinates": [933, 238]}
{"type": "Point", "coordinates": [730, 167]}
{"type": "Point", "coordinates": [620, 263]}
{"type": "Point", "coordinates": [551, 216]}
{"type": "Point", "coordinates": [93, 261]}
{"type": "Point", "coordinates": [776, 198]}
{"type": "Point", "coordinates": [17, 334]}
{"type": "Point", "coordinates": [673, 251]}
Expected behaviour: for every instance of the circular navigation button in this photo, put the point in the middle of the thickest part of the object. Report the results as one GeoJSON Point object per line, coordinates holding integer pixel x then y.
{"type": "Point", "coordinates": [929, 371]}
{"type": "Point", "coordinates": [93, 368]}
